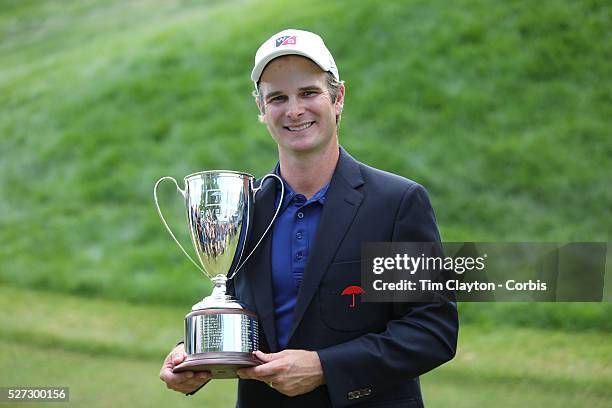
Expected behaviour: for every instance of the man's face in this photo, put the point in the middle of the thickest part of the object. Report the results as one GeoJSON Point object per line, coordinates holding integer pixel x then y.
{"type": "Point", "coordinates": [297, 107]}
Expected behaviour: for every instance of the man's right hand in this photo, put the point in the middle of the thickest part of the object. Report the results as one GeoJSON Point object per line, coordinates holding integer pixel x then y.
{"type": "Point", "coordinates": [184, 382]}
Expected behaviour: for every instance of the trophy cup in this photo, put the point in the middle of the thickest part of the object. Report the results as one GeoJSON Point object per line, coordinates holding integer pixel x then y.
{"type": "Point", "coordinates": [220, 334]}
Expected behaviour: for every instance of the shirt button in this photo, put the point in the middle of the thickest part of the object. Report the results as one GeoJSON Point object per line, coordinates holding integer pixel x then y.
{"type": "Point", "coordinates": [300, 215]}
{"type": "Point", "coordinates": [299, 235]}
{"type": "Point", "coordinates": [299, 200]}
{"type": "Point", "coordinates": [298, 256]}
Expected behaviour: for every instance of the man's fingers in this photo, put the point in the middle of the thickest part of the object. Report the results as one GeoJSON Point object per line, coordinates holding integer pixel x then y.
{"type": "Point", "coordinates": [191, 384]}
{"type": "Point", "coordinates": [253, 373]}
{"type": "Point", "coordinates": [177, 358]}
{"type": "Point", "coordinates": [250, 375]}
{"type": "Point", "coordinates": [265, 370]}
{"type": "Point", "coordinates": [245, 373]}
{"type": "Point", "coordinates": [187, 381]}
{"type": "Point", "coordinates": [192, 379]}
{"type": "Point", "coordinates": [186, 388]}
{"type": "Point", "coordinates": [270, 379]}
{"type": "Point", "coordinates": [266, 358]}
{"type": "Point", "coordinates": [176, 378]}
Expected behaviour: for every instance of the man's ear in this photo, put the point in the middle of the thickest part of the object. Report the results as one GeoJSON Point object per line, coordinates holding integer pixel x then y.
{"type": "Point", "coordinates": [339, 105]}
{"type": "Point", "coordinates": [262, 109]}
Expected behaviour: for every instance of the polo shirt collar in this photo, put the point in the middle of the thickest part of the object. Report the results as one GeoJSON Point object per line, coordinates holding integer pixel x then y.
{"type": "Point", "coordinates": [319, 196]}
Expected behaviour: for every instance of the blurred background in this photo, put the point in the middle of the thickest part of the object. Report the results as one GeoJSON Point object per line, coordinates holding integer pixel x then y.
{"type": "Point", "coordinates": [500, 109]}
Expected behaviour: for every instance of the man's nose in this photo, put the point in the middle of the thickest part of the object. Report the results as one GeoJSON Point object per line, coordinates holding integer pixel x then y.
{"type": "Point", "coordinates": [294, 108]}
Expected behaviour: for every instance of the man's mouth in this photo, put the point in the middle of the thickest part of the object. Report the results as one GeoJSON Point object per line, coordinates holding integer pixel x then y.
{"type": "Point", "coordinates": [300, 127]}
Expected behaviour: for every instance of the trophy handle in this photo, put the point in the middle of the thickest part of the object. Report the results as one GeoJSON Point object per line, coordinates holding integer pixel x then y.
{"type": "Point", "coordinates": [280, 204]}
{"type": "Point", "coordinates": [182, 192]}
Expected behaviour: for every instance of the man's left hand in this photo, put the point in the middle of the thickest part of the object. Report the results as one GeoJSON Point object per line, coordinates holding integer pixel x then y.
{"type": "Point", "coordinates": [292, 372]}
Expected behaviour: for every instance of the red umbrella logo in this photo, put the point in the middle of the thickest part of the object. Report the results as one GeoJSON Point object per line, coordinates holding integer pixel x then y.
{"type": "Point", "coordinates": [352, 290]}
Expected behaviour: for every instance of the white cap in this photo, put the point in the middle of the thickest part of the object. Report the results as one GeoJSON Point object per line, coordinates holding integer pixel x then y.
{"type": "Point", "coordinates": [294, 42]}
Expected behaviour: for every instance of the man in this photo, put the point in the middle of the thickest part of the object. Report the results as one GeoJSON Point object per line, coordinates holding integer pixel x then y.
{"type": "Point", "coordinates": [317, 351]}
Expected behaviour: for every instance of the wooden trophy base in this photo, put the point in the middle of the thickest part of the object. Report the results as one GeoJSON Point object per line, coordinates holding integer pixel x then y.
{"type": "Point", "coordinates": [220, 364]}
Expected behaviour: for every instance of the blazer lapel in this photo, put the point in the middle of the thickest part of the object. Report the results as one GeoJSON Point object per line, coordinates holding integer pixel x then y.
{"type": "Point", "coordinates": [341, 205]}
{"type": "Point", "coordinates": [260, 275]}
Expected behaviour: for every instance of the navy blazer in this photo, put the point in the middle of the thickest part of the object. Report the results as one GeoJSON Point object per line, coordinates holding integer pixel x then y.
{"type": "Point", "coordinates": [371, 354]}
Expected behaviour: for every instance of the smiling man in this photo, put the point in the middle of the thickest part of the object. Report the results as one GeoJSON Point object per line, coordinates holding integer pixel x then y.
{"type": "Point", "coordinates": [318, 348]}
{"type": "Point", "coordinates": [300, 113]}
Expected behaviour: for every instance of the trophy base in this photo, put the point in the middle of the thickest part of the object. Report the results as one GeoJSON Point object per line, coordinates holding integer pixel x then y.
{"type": "Point", "coordinates": [220, 364]}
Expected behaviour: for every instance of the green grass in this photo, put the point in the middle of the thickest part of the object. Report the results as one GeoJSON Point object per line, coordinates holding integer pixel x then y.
{"type": "Point", "coordinates": [99, 380]}
{"type": "Point", "coordinates": [571, 317]}
{"type": "Point", "coordinates": [109, 354]}
{"type": "Point", "coordinates": [523, 368]}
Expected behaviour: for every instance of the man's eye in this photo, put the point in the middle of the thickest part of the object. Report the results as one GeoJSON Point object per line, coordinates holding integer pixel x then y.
{"type": "Point", "coordinates": [309, 93]}
{"type": "Point", "coordinates": [276, 99]}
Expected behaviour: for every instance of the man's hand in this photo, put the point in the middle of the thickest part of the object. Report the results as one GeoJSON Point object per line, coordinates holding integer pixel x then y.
{"type": "Point", "coordinates": [292, 372]}
{"type": "Point", "coordinates": [184, 382]}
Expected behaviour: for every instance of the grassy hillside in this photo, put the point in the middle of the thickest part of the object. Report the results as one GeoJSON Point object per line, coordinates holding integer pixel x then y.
{"type": "Point", "coordinates": [501, 109]}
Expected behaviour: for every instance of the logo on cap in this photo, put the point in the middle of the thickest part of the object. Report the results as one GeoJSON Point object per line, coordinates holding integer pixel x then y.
{"type": "Point", "coordinates": [286, 40]}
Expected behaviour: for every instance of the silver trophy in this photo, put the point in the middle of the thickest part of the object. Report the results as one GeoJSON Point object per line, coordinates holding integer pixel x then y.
{"type": "Point", "coordinates": [220, 334]}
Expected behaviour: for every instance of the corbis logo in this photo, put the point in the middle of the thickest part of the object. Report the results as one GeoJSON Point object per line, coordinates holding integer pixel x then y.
{"type": "Point", "coordinates": [286, 40]}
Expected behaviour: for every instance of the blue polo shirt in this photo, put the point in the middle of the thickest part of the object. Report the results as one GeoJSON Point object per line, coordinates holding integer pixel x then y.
{"type": "Point", "coordinates": [293, 235]}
